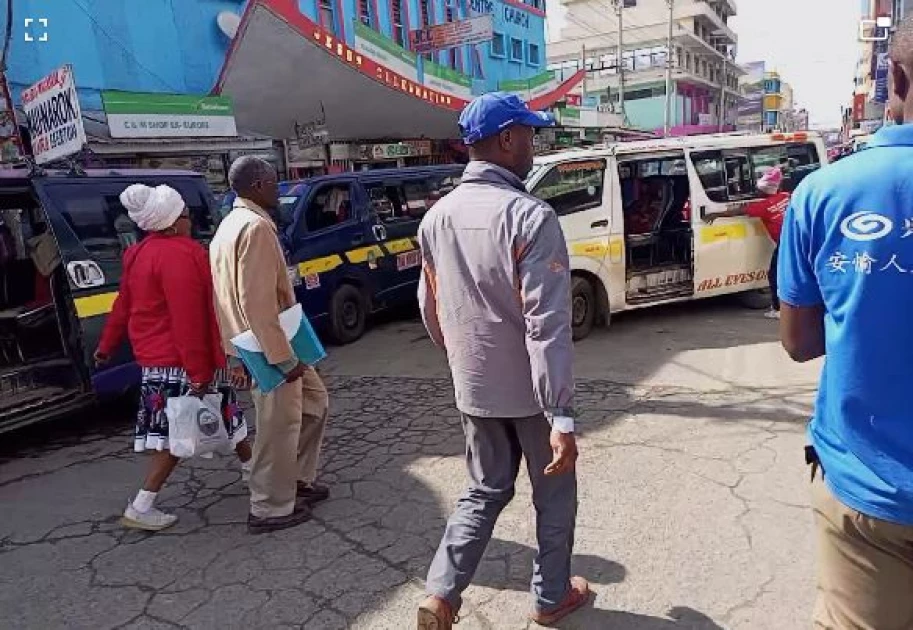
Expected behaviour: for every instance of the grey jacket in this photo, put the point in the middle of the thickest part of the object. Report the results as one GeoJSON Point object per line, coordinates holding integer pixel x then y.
{"type": "Point", "coordinates": [495, 293]}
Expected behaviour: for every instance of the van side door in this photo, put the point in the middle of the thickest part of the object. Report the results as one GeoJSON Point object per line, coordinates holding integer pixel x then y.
{"type": "Point", "coordinates": [328, 227]}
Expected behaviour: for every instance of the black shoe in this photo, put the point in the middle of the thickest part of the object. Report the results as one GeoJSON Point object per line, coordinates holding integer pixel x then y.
{"type": "Point", "coordinates": [312, 493]}
{"type": "Point", "coordinates": [256, 525]}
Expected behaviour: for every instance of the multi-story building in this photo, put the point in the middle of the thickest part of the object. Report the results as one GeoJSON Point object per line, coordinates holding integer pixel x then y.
{"type": "Point", "coordinates": [705, 80]}
{"type": "Point", "coordinates": [343, 72]}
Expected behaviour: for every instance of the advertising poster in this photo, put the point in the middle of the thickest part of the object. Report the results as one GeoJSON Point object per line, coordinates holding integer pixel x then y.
{"type": "Point", "coordinates": [53, 115]}
{"type": "Point", "coordinates": [474, 30]}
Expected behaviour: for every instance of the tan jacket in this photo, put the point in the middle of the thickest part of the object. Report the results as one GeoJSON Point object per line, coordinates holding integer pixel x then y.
{"type": "Point", "coordinates": [250, 280]}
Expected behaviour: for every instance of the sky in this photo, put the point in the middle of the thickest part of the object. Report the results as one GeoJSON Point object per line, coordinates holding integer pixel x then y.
{"type": "Point", "coordinates": [811, 43]}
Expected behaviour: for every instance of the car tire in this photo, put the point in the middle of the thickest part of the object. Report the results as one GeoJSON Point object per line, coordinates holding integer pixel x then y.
{"type": "Point", "coordinates": [756, 300]}
{"type": "Point", "coordinates": [583, 307]}
{"type": "Point", "coordinates": [348, 314]}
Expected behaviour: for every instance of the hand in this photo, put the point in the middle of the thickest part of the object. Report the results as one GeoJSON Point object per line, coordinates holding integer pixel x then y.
{"type": "Point", "coordinates": [101, 358]}
{"type": "Point", "coordinates": [295, 373]}
{"type": "Point", "coordinates": [198, 390]}
{"type": "Point", "coordinates": [564, 453]}
{"type": "Point", "coordinates": [239, 378]}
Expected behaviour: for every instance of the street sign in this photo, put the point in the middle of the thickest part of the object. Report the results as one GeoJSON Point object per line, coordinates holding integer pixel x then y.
{"type": "Point", "coordinates": [53, 115]}
{"type": "Point", "coordinates": [451, 34]}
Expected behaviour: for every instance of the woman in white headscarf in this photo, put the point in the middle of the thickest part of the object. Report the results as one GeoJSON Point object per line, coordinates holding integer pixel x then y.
{"type": "Point", "coordinates": [165, 308]}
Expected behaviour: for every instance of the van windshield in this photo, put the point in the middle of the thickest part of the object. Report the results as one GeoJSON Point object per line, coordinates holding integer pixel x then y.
{"type": "Point", "coordinates": [289, 196]}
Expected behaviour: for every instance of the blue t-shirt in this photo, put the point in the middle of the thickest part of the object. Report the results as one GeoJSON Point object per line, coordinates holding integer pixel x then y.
{"type": "Point", "coordinates": [847, 243]}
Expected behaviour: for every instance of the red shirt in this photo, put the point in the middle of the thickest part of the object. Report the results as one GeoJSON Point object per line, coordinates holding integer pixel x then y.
{"type": "Point", "coordinates": [770, 210]}
{"type": "Point", "coordinates": [165, 307]}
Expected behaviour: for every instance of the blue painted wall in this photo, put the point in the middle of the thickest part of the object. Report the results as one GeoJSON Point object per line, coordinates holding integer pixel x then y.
{"type": "Point", "coordinates": [138, 45]}
{"type": "Point", "coordinates": [175, 46]}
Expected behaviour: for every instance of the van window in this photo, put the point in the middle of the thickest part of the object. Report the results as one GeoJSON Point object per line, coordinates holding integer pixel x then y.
{"type": "Point", "coordinates": [728, 176]}
{"type": "Point", "coordinates": [573, 186]}
{"type": "Point", "coordinates": [329, 206]}
{"type": "Point", "coordinates": [98, 219]}
{"type": "Point", "coordinates": [725, 176]}
{"type": "Point", "coordinates": [409, 200]}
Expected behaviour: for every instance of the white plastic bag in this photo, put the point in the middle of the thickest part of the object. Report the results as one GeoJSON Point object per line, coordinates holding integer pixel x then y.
{"type": "Point", "coordinates": [195, 426]}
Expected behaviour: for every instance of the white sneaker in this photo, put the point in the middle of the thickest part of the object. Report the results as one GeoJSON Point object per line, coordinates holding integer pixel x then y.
{"type": "Point", "coordinates": [153, 520]}
{"type": "Point", "coordinates": [772, 314]}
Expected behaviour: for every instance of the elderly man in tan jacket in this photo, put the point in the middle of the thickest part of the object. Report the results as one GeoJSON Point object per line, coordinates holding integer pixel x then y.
{"type": "Point", "coordinates": [251, 288]}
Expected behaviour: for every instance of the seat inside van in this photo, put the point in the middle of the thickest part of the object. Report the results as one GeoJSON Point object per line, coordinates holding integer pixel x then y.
{"type": "Point", "coordinates": [35, 363]}
{"type": "Point", "coordinates": [657, 226]}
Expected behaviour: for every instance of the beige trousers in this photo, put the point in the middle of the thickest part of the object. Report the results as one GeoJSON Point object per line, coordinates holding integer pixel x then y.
{"type": "Point", "coordinates": [290, 424]}
{"type": "Point", "coordinates": [865, 568]}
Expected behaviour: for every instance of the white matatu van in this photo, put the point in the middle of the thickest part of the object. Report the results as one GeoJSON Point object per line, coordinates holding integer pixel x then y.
{"type": "Point", "coordinates": [633, 216]}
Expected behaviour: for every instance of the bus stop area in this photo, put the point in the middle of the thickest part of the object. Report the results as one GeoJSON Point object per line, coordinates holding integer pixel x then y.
{"type": "Point", "coordinates": [693, 498]}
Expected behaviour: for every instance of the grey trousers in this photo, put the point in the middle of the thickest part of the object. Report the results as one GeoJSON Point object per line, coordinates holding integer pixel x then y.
{"type": "Point", "coordinates": [494, 447]}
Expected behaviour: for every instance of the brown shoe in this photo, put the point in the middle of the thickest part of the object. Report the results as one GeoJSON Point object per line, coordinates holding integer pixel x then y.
{"type": "Point", "coordinates": [436, 614]}
{"type": "Point", "coordinates": [312, 493]}
{"type": "Point", "coordinates": [577, 597]}
{"type": "Point", "coordinates": [257, 525]}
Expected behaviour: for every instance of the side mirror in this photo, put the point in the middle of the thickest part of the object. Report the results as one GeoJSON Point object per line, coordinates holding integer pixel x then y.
{"type": "Point", "coordinates": [380, 232]}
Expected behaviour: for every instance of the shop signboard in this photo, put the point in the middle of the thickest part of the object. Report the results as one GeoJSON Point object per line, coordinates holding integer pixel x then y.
{"type": "Point", "coordinates": [394, 151]}
{"type": "Point", "coordinates": [881, 78]}
{"type": "Point", "coordinates": [533, 87]}
{"type": "Point", "coordinates": [53, 116]}
{"type": "Point", "coordinates": [474, 30]}
{"type": "Point", "coordinates": [446, 80]}
{"type": "Point", "coordinates": [141, 115]}
{"type": "Point", "coordinates": [385, 51]}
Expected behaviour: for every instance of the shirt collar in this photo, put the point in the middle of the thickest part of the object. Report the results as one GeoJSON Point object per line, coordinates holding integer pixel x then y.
{"type": "Point", "coordinates": [478, 170]}
{"type": "Point", "coordinates": [893, 136]}
{"type": "Point", "coordinates": [241, 202]}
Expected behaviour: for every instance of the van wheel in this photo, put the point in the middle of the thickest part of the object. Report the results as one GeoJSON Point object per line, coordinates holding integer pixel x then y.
{"type": "Point", "coordinates": [756, 300]}
{"type": "Point", "coordinates": [348, 314]}
{"type": "Point", "coordinates": [583, 307]}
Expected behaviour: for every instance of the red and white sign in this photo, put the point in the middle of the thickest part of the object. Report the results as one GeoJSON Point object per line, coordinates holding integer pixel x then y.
{"type": "Point", "coordinates": [574, 100]}
{"type": "Point", "coordinates": [54, 118]}
{"type": "Point", "coordinates": [450, 34]}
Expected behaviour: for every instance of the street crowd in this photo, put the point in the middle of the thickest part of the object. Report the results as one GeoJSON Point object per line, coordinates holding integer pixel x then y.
{"type": "Point", "coordinates": [495, 296]}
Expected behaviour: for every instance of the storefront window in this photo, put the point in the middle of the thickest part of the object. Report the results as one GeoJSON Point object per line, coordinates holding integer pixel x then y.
{"type": "Point", "coordinates": [327, 16]}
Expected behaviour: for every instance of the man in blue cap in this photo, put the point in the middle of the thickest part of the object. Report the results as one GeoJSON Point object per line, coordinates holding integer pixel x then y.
{"type": "Point", "coordinates": [495, 294]}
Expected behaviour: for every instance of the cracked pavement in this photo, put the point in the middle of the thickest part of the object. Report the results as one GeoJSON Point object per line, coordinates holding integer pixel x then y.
{"type": "Point", "coordinates": [693, 499]}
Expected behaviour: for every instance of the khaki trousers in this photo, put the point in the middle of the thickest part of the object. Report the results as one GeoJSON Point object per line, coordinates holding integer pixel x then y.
{"type": "Point", "coordinates": [865, 568]}
{"type": "Point", "coordinates": [290, 424]}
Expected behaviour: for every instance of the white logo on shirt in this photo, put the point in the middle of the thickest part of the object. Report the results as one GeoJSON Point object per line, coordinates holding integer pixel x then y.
{"type": "Point", "coordinates": [866, 226]}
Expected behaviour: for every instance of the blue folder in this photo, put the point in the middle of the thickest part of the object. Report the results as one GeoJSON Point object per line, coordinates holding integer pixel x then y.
{"type": "Point", "coordinates": [301, 336]}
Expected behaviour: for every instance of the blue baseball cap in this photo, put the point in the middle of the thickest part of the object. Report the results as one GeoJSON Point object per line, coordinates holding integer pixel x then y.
{"type": "Point", "coordinates": [491, 113]}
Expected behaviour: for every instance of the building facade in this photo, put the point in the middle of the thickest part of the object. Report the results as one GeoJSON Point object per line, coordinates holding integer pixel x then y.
{"type": "Point", "coordinates": [705, 79]}
{"type": "Point", "coordinates": [321, 74]}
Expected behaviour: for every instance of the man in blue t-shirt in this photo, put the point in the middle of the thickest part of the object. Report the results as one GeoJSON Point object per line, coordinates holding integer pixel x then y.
{"type": "Point", "coordinates": [846, 287]}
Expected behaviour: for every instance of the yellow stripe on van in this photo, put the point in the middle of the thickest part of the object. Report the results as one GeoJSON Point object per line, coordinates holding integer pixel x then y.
{"type": "Point", "coordinates": [319, 265]}
{"type": "Point", "coordinates": [399, 245]}
{"type": "Point", "coordinates": [593, 249]}
{"type": "Point", "coordinates": [717, 233]}
{"type": "Point", "coordinates": [616, 249]}
{"type": "Point", "coordinates": [93, 305]}
{"type": "Point", "coordinates": [361, 254]}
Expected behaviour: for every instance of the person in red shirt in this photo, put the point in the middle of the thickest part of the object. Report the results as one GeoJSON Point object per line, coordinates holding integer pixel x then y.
{"type": "Point", "coordinates": [770, 210]}
{"type": "Point", "coordinates": [165, 308]}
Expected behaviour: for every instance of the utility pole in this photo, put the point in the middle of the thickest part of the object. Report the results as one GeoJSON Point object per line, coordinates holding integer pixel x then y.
{"type": "Point", "coordinates": [667, 116]}
{"type": "Point", "coordinates": [583, 65]}
{"type": "Point", "coordinates": [723, 88]}
{"type": "Point", "coordinates": [620, 61]}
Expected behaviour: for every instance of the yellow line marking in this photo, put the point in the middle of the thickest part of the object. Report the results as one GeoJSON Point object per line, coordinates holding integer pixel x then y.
{"type": "Point", "coordinates": [319, 265]}
{"type": "Point", "coordinates": [717, 233]}
{"type": "Point", "coordinates": [92, 305]}
{"type": "Point", "coordinates": [399, 245]}
{"type": "Point", "coordinates": [361, 254]}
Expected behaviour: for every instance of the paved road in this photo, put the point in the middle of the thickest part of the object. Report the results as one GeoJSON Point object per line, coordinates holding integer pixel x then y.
{"type": "Point", "coordinates": [693, 509]}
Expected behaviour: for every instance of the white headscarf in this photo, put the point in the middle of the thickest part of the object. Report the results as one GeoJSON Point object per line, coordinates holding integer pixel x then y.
{"type": "Point", "coordinates": [152, 209]}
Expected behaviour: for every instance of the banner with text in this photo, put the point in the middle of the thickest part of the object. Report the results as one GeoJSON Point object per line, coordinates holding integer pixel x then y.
{"type": "Point", "coordinates": [451, 34]}
{"type": "Point", "coordinates": [141, 115]}
{"type": "Point", "coordinates": [385, 51]}
{"type": "Point", "coordinates": [53, 116]}
{"type": "Point", "coordinates": [447, 80]}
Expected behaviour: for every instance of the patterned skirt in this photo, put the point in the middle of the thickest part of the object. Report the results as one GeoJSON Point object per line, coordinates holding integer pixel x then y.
{"type": "Point", "coordinates": [151, 432]}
